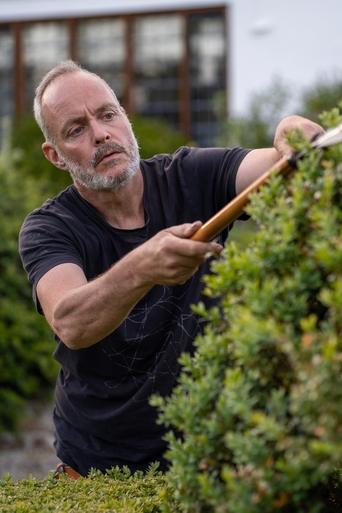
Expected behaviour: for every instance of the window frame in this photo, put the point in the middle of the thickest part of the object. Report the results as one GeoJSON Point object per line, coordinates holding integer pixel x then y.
{"type": "Point", "coordinates": [17, 28]}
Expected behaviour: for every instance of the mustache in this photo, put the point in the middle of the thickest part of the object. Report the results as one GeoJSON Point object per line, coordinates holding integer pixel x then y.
{"type": "Point", "coordinates": [104, 150]}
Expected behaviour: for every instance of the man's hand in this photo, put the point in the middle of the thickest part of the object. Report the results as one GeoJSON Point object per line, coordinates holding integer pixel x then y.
{"type": "Point", "coordinates": [286, 125]}
{"type": "Point", "coordinates": [171, 258]}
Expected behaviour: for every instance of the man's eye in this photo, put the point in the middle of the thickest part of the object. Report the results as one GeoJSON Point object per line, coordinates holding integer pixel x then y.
{"type": "Point", "coordinates": [74, 132]}
{"type": "Point", "coordinates": [109, 115]}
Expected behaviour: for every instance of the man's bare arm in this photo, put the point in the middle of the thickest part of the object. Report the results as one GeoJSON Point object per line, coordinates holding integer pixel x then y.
{"type": "Point", "coordinates": [81, 313]}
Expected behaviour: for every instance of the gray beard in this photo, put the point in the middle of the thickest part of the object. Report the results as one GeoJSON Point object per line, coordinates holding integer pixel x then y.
{"type": "Point", "coordinates": [88, 177]}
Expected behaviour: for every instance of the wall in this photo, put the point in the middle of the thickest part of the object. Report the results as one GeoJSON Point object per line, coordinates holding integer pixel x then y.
{"type": "Point", "coordinates": [298, 40]}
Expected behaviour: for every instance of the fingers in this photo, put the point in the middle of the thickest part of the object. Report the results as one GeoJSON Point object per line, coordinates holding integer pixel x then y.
{"type": "Point", "coordinates": [182, 256]}
{"type": "Point", "coordinates": [171, 257]}
{"type": "Point", "coordinates": [186, 230]}
{"type": "Point", "coordinates": [311, 129]}
{"type": "Point", "coordinates": [192, 248]}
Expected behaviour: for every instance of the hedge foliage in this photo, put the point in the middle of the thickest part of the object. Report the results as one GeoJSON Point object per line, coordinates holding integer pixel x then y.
{"type": "Point", "coordinates": [258, 409]}
{"type": "Point", "coordinates": [26, 343]}
{"type": "Point", "coordinates": [116, 492]}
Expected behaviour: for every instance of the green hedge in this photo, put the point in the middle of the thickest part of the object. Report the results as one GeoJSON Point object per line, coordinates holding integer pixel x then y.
{"type": "Point", "coordinates": [116, 492]}
{"type": "Point", "coordinates": [26, 342]}
{"type": "Point", "coordinates": [258, 410]}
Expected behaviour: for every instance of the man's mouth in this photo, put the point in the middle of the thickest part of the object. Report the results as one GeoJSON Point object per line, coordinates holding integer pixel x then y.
{"type": "Point", "coordinates": [106, 153]}
{"type": "Point", "coordinates": [108, 156]}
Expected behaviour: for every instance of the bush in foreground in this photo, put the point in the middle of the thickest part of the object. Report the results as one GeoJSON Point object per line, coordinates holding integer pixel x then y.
{"type": "Point", "coordinates": [116, 492]}
{"type": "Point", "coordinates": [258, 410]}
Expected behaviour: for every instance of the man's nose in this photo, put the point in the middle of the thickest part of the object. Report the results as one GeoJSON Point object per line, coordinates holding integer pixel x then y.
{"type": "Point", "coordinates": [100, 133]}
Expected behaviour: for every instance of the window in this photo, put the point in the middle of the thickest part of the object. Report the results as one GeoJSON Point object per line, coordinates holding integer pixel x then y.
{"type": "Point", "coordinates": [101, 49]}
{"type": "Point", "coordinates": [207, 73]}
{"type": "Point", "coordinates": [44, 45]}
{"type": "Point", "coordinates": [157, 47]}
{"type": "Point", "coordinates": [165, 65]}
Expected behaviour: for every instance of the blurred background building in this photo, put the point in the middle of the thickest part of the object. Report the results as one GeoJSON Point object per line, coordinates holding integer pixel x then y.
{"type": "Point", "coordinates": [170, 59]}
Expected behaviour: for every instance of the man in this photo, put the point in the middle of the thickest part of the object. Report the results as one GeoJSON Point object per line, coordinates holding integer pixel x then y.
{"type": "Point", "coordinates": [113, 268]}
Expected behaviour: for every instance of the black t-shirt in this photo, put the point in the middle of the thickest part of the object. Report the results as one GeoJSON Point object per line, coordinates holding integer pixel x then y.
{"type": "Point", "coordinates": [102, 415]}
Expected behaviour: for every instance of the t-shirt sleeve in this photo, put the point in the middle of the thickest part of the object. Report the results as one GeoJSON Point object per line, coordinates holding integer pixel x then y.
{"type": "Point", "coordinates": [227, 175]}
{"type": "Point", "coordinates": [209, 174]}
{"type": "Point", "coordinates": [45, 242]}
{"type": "Point", "coordinates": [217, 169]}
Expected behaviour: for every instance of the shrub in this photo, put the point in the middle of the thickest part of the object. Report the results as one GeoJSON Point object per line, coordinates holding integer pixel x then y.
{"type": "Point", "coordinates": [256, 129]}
{"type": "Point", "coordinates": [26, 342]}
{"type": "Point", "coordinates": [117, 491]}
{"type": "Point", "coordinates": [257, 414]}
{"type": "Point", "coordinates": [323, 97]}
{"type": "Point", "coordinates": [155, 136]}
{"type": "Point", "coordinates": [29, 161]}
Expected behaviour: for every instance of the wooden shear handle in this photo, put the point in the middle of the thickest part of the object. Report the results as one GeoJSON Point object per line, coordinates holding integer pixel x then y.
{"type": "Point", "coordinates": [234, 209]}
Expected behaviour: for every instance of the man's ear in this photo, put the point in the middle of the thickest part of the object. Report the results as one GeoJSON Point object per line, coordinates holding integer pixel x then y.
{"type": "Point", "coordinates": [52, 155]}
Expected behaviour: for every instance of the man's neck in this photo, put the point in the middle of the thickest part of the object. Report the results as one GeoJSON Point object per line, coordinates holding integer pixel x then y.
{"type": "Point", "coordinates": [123, 208]}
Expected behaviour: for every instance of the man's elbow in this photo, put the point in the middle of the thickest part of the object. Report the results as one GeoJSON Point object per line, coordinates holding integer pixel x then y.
{"type": "Point", "coordinates": [67, 335]}
{"type": "Point", "coordinates": [71, 332]}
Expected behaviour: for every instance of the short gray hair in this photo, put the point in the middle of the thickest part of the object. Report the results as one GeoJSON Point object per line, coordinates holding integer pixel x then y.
{"type": "Point", "coordinates": [61, 69]}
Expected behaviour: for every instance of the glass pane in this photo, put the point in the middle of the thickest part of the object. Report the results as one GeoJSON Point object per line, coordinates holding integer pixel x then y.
{"type": "Point", "coordinates": [101, 49]}
{"type": "Point", "coordinates": [6, 78]}
{"type": "Point", "coordinates": [44, 46]}
{"type": "Point", "coordinates": [157, 53]}
{"type": "Point", "coordinates": [207, 73]}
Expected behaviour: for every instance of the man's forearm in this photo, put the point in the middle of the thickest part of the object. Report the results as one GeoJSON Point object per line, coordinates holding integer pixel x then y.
{"type": "Point", "coordinates": [87, 314]}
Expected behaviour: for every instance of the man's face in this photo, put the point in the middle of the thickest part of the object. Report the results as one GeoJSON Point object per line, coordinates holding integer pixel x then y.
{"type": "Point", "coordinates": [92, 134]}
